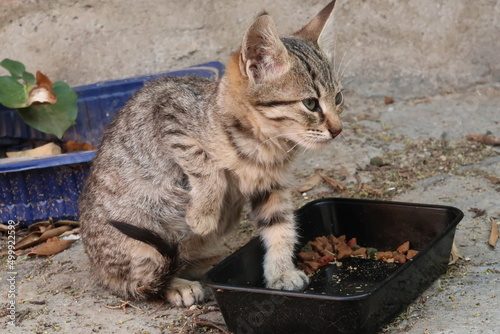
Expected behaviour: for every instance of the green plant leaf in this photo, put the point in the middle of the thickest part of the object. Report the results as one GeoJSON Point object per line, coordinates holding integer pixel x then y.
{"type": "Point", "coordinates": [15, 68]}
{"type": "Point", "coordinates": [29, 78]}
{"type": "Point", "coordinates": [53, 118]}
{"type": "Point", "coordinates": [13, 94]}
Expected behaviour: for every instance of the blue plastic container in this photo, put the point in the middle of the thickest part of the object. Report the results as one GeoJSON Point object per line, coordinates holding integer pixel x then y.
{"type": "Point", "coordinates": [37, 189]}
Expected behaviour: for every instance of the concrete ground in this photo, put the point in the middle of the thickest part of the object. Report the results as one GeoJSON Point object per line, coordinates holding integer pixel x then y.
{"type": "Point", "coordinates": [423, 135]}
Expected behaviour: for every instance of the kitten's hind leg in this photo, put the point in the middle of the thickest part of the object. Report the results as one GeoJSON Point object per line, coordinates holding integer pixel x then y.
{"type": "Point", "coordinates": [179, 292]}
{"type": "Point", "coordinates": [182, 292]}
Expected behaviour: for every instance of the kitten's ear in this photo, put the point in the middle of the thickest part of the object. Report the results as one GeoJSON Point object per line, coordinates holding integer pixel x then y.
{"type": "Point", "coordinates": [317, 30]}
{"type": "Point", "coordinates": [263, 56]}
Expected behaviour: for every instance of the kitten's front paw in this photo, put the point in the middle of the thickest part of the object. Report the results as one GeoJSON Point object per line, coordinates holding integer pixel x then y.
{"type": "Point", "coordinates": [184, 293]}
{"type": "Point", "coordinates": [291, 279]}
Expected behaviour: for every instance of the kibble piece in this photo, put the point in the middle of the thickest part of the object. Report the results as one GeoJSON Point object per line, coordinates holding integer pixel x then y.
{"type": "Point", "coordinates": [403, 248]}
{"type": "Point", "coordinates": [317, 246]}
{"type": "Point", "coordinates": [312, 264]}
{"type": "Point", "coordinates": [360, 252]}
{"type": "Point", "coordinates": [326, 250]}
{"type": "Point", "coordinates": [398, 257]}
{"type": "Point", "coordinates": [308, 256]}
{"type": "Point", "coordinates": [344, 253]}
{"type": "Point", "coordinates": [352, 242]}
{"type": "Point", "coordinates": [411, 253]}
{"type": "Point", "coordinates": [384, 255]}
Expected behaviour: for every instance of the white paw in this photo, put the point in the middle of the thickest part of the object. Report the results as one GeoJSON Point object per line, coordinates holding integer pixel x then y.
{"type": "Point", "coordinates": [291, 279]}
{"type": "Point", "coordinates": [184, 293]}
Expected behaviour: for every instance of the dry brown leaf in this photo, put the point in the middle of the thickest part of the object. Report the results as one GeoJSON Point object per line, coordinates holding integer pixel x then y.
{"type": "Point", "coordinates": [492, 241]}
{"type": "Point", "coordinates": [55, 231]}
{"type": "Point", "coordinates": [74, 146]}
{"type": "Point", "coordinates": [310, 183]}
{"type": "Point", "coordinates": [332, 182]}
{"type": "Point", "coordinates": [41, 226]}
{"type": "Point", "coordinates": [29, 241]}
{"type": "Point", "coordinates": [493, 179]}
{"type": "Point", "coordinates": [72, 223]}
{"type": "Point", "coordinates": [51, 247]}
{"type": "Point", "coordinates": [42, 92]}
{"type": "Point", "coordinates": [388, 100]}
{"type": "Point", "coordinates": [487, 138]}
{"type": "Point", "coordinates": [36, 238]}
{"type": "Point", "coordinates": [455, 254]}
{"type": "Point", "coordinates": [477, 212]}
{"type": "Point", "coordinates": [47, 149]}
{"type": "Point", "coordinates": [73, 231]}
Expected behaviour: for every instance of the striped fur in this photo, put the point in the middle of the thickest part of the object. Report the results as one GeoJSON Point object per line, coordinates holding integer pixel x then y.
{"type": "Point", "coordinates": [179, 161]}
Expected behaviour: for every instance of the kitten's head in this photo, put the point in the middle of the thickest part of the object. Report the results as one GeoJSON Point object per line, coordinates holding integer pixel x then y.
{"type": "Point", "coordinates": [289, 83]}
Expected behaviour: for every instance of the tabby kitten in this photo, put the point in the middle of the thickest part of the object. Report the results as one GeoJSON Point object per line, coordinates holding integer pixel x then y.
{"type": "Point", "coordinates": [179, 161]}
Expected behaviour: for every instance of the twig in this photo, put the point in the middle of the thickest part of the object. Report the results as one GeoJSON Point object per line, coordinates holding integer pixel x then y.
{"type": "Point", "coordinates": [335, 184]}
{"type": "Point", "coordinates": [156, 309]}
{"type": "Point", "coordinates": [359, 183]}
{"type": "Point", "coordinates": [492, 241]}
{"type": "Point", "coordinates": [204, 323]}
{"type": "Point", "coordinates": [123, 306]}
{"type": "Point", "coordinates": [372, 190]}
{"type": "Point", "coordinates": [182, 328]}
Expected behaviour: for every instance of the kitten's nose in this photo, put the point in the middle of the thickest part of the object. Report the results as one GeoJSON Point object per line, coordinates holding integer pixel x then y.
{"type": "Point", "coordinates": [335, 132]}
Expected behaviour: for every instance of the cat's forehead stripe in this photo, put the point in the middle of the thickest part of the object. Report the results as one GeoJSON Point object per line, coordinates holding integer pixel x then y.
{"type": "Point", "coordinates": [315, 62]}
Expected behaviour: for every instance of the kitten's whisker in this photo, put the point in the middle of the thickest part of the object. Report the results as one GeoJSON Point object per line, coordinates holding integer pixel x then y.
{"type": "Point", "coordinates": [355, 54]}
{"type": "Point", "coordinates": [305, 147]}
{"type": "Point", "coordinates": [342, 138]}
{"type": "Point", "coordinates": [274, 137]}
{"type": "Point", "coordinates": [343, 56]}
{"type": "Point", "coordinates": [345, 68]}
{"type": "Point", "coordinates": [347, 82]}
{"type": "Point", "coordinates": [270, 139]}
{"type": "Point", "coordinates": [294, 146]}
{"type": "Point", "coordinates": [305, 143]}
{"type": "Point", "coordinates": [335, 52]}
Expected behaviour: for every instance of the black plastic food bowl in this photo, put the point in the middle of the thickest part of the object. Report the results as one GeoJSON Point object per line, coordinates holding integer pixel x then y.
{"type": "Point", "coordinates": [357, 297]}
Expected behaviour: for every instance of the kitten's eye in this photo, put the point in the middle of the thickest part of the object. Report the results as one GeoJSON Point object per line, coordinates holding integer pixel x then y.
{"type": "Point", "coordinates": [312, 104]}
{"type": "Point", "coordinates": [339, 98]}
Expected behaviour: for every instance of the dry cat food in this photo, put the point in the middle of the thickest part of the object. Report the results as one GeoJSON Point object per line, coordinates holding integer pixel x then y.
{"type": "Point", "coordinates": [330, 249]}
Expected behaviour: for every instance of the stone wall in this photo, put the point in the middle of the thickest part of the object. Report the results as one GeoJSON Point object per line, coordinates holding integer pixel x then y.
{"type": "Point", "coordinates": [386, 47]}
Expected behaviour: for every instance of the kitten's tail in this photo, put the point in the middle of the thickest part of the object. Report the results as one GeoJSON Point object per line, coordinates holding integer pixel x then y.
{"type": "Point", "coordinates": [167, 250]}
